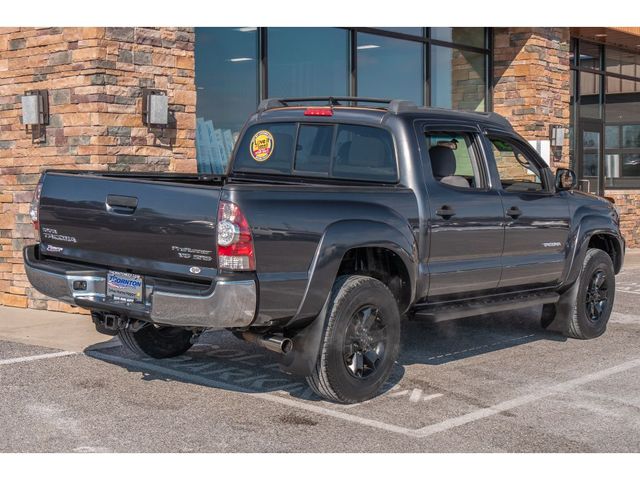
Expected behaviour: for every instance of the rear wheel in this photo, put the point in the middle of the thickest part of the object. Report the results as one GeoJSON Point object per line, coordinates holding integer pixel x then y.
{"type": "Point", "coordinates": [361, 341]}
{"type": "Point", "coordinates": [156, 341]}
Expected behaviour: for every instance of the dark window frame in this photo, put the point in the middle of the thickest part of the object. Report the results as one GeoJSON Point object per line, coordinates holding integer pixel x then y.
{"type": "Point", "coordinates": [618, 183]}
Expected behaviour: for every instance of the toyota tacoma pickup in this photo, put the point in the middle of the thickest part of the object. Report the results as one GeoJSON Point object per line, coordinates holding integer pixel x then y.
{"type": "Point", "coordinates": [336, 218]}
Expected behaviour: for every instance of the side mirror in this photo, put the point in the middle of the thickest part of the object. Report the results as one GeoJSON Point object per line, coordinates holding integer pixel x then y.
{"type": "Point", "coordinates": [566, 179]}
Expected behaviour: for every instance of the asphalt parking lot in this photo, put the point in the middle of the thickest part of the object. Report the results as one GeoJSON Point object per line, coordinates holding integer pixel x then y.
{"type": "Point", "coordinates": [484, 384]}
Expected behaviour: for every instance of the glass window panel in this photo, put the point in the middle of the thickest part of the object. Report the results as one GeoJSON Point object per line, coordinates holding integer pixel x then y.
{"type": "Point", "coordinates": [590, 164]}
{"type": "Point", "coordinates": [464, 36]}
{"type": "Point", "coordinates": [517, 172]}
{"type": "Point", "coordinates": [458, 79]}
{"type": "Point", "coordinates": [459, 147]}
{"type": "Point", "coordinates": [613, 85]}
{"type": "Point", "coordinates": [628, 63]}
{"type": "Point", "coordinates": [313, 149]}
{"type": "Point", "coordinates": [613, 60]}
{"type": "Point", "coordinates": [417, 31]}
{"type": "Point", "coordinates": [590, 95]}
{"type": "Point", "coordinates": [390, 68]}
{"type": "Point", "coordinates": [307, 62]}
{"type": "Point", "coordinates": [631, 136]}
{"type": "Point", "coordinates": [631, 165]}
{"type": "Point", "coordinates": [623, 107]}
{"type": "Point", "coordinates": [280, 158]}
{"type": "Point", "coordinates": [612, 136]}
{"type": "Point", "coordinates": [589, 55]}
{"type": "Point", "coordinates": [364, 153]}
{"type": "Point", "coordinates": [227, 91]}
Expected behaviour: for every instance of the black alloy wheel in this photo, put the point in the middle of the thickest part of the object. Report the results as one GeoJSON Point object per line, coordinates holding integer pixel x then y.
{"type": "Point", "coordinates": [597, 294]}
{"type": "Point", "coordinates": [365, 342]}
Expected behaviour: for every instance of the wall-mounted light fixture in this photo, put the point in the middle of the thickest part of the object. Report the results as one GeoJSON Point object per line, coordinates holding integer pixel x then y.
{"type": "Point", "coordinates": [155, 108]}
{"type": "Point", "coordinates": [556, 135]}
{"type": "Point", "coordinates": [35, 113]}
{"type": "Point", "coordinates": [556, 142]}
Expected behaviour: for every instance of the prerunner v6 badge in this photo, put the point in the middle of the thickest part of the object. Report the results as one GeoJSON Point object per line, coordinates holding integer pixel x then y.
{"type": "Point", "coordinates": [261, 146]}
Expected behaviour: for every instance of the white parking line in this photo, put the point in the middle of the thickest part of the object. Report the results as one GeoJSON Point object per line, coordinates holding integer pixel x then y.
{"type": "Point", "coordinates": [33, 358]}
{"type": "Point", "coordinates": [523, 400]}
{"type": "Point", "coordinates": [420, 433]}
{"type": "Point", "coordinates": [620, 290]}
{"type": "Point", "coordinates": [270, 397]}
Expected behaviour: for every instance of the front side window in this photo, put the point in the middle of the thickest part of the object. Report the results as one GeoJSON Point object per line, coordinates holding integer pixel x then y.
{"type": "Point", "coordinates": [517, 172]}
{"type": "Point", "coordinates": [452, 159]}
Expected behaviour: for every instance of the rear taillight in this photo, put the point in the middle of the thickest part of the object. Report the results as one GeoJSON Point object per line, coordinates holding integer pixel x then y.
{"type": "Point", "coordinates": [34, 210]}
{"type": "Point", "coordinates": [235, 242]}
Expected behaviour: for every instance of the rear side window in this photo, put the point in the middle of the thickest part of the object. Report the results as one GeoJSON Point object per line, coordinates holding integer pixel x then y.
{"type": "Point", "coordinates": [452, 159]}
{"type": "Point", "coordinates": [364, 153]}
{"type": "Point", "coordinates": [353, 152]}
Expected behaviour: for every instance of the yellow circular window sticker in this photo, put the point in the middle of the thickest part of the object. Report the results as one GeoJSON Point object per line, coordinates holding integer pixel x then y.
{"type": "Point", "coordinates": [261, 146]}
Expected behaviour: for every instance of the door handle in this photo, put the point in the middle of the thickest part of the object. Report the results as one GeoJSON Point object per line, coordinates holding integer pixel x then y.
{"type": "Point", "coordinates": [445, 212]}
{"type": "Point", "coordinates": [121, 204]}
{"type": "Point", "coordinates": [514, 212]}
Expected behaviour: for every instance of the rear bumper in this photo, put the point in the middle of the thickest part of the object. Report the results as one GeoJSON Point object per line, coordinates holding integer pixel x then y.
{"type": "Point", "coordinates": [226, 304]}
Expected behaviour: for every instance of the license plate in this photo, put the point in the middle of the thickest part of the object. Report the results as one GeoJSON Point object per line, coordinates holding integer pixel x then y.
{"type": "Point", "coordinates": [124, 287]}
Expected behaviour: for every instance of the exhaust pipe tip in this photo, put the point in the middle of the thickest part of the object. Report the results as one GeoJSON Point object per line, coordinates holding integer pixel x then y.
{"type": "Point", "coordinates": [274, 343]}
{"type": "Point", "coordinates": [286, 346]}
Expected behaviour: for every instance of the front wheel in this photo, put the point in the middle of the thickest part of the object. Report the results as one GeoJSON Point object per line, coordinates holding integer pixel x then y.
{"type": "Point", "coordinates": [361, 341]}
{"type": "Point", "coordinates": [156, 341]}
{"type": "Point", "coordinates": [584, 310]}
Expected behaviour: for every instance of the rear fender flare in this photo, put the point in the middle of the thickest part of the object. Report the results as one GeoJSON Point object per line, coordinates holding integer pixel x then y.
{"type": "Point", "coordinates": [341, 237]}
{"type": "Point", "coordinates": [336, 241]}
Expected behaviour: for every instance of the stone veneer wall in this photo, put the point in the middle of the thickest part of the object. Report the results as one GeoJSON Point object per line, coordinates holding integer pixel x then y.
{"type": "Point", "coordinates": [95, 77]}
{"type": "Point", "coordinates": [532, 82]}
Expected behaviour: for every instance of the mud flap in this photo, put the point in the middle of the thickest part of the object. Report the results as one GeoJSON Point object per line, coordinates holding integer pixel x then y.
{"type": "Point", "coordinates": [302, 359]}
{"type": "Point", "coordinates": [559, 323]}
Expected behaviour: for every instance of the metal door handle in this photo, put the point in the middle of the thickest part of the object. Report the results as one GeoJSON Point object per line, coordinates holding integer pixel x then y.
{"type": "Point", "coordinates": [514, 212]}
{"type": "Point", "coordinates": [121, 204]}
{"type": "Point", "coordinates": [445, 212]}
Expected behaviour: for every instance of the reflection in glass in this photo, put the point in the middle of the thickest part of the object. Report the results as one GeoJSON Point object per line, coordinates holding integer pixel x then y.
{"type": "Point", "coordinates": [631, 165]}
{"type": "Point", "coordinates": [590, 95]}
{"type": "Point", "coordinates": [591, 165]}
{"type": "Point", "coordinates": [390, 68]}
{"type": "Point", "coordinates": [416, 31]}
{"type": "Point", "coordinates": [227, 91]}
{"type": "Point", "coordinates": [612, 136]}
{"type": "Point", "coordinates": [457, 79]}
{"type": "Point", "coordinates": [307, 62]}
{"type": "Point", "coordinates": [589, 55]}
{"type": "Point", "coordinates": [631, 136]}
{"type": "Point", "coordinates": [464, 36]}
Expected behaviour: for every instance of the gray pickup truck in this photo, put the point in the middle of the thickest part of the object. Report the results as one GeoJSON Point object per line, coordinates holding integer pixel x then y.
{"type": "Point", "coordinates": [337, 217]}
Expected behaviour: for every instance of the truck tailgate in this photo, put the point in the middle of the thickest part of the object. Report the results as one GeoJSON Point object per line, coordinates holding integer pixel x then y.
{"type": "Point", "coordinates": [148, 225]}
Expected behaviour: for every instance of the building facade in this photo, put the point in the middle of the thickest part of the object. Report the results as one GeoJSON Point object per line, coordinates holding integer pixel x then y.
{"type": "Point", "coordinates": [582, 84]}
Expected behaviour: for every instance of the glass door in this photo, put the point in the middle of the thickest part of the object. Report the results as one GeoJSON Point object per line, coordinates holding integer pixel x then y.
{"type": "Point", "coordinates": [591, 156]}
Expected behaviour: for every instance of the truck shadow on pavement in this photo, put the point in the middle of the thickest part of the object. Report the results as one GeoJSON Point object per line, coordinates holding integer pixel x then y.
{"type": "Point", "coordinates": [220, 360]}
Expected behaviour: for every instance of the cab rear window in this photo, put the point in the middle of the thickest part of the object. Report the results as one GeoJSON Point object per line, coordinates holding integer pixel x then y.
{"type": "Point", "coordinates": [354, 152]}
